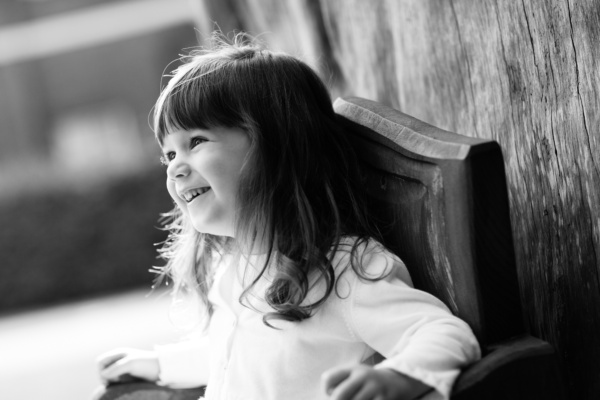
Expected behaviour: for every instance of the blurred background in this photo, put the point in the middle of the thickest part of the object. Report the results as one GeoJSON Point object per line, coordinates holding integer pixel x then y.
{"type": "Point", "coordinates": [80, 183]}
{"type": "Point", "coordinates": [81, 187]}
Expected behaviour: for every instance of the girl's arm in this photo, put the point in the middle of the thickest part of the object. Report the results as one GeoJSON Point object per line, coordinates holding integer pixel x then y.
{"type": "Point", "coordinates": [179, 365]}
{"type": "Point", "coordinates": [416, 333]}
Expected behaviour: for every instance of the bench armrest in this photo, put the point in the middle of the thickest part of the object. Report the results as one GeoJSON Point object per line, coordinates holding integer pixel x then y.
{"type": "Point", "coordinates": [142, 390]}
{"type": "Point", "coordinates": [520, 368]}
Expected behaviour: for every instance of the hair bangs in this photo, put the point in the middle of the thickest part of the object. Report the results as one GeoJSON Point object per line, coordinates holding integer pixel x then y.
{"type": "Point", "coordinates": [200, 95]}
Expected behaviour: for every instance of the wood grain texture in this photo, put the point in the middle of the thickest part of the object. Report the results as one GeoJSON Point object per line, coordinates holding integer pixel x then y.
{"type": "Point", "coordinates": [523, 73]}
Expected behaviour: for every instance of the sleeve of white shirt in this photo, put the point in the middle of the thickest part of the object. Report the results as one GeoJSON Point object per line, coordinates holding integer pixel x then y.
{"type": "Point", "coordinates": [184, 364]}
{"type": "Point", "coordinates": [412, 329]}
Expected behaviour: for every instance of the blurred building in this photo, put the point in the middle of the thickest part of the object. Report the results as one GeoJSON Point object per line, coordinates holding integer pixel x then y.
{"type": "Point", "coordinates": [78, 79]}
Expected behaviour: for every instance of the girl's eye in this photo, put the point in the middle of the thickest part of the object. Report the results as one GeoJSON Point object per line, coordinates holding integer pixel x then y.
{"type": "Point", "coordinates": [195, 141]}
{"type": "Point", "coordinates": [166, 158]}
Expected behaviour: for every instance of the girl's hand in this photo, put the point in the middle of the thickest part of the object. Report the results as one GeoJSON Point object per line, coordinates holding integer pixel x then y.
{"type": "Point", "coordinates": [123, 364]}
{"type": "Point", "coordinates": [363, 382]}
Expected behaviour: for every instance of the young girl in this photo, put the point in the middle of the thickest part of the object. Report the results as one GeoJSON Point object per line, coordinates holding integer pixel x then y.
{"type": "Point", "coordinates": [271, 231]}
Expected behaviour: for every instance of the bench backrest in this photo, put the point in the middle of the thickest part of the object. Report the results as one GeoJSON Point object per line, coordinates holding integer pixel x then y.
{"type": "Point", "coordinates": [441, 202]}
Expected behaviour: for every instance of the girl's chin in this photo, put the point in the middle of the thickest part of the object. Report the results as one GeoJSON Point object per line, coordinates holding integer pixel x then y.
{"type": "Point", "coordinates": [212, 229]}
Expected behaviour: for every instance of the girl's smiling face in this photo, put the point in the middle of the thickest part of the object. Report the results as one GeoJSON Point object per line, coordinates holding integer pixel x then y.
{"type": "Point", "coordinates": [203, 172]}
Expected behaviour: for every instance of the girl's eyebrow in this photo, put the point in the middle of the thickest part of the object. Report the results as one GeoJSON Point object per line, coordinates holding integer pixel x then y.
{"type": "Point", "coordinates": [200, 132]}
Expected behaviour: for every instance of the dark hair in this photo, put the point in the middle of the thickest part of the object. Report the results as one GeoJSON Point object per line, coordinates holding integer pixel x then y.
{"type": "Point", "coordinates": [300, 191]}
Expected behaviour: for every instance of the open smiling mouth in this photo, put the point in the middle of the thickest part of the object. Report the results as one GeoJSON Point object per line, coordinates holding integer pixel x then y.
{"type": "Point", "coordinates": [192, 194]}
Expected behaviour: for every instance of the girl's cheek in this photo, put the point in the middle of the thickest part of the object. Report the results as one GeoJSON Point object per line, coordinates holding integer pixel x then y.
{"type": "Point", "coordinates": [173, 193]}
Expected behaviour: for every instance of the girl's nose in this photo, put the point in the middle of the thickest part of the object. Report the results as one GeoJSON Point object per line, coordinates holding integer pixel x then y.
{"type": "Point", "coordinates": [177, 169]}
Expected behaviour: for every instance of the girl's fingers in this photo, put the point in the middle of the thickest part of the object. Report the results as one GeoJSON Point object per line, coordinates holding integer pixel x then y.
{"type": "Point", "coordinates": [332, 378]}
{"type": "Point", "coordinates": [368, 391]}
{"type": "Point", "coordinates": [116, 370]}
{"type": "Point", "coordinates": [106, 359]}
{"type": "Point", "coordinates": [348, 388]}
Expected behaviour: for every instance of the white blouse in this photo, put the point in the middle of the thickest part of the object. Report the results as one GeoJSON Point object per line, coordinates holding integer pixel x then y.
{"type": "Point", "coordinates": [240, 358]}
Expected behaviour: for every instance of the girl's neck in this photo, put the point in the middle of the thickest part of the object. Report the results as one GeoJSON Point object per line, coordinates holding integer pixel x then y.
{"type": "Point", "coordinates": [250, 248]}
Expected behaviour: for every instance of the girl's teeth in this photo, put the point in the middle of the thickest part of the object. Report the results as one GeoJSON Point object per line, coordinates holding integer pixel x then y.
{"type": "Point", "coordinates": [189, 196]}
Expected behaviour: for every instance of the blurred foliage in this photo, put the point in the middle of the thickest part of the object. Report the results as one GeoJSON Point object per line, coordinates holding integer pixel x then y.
{"type": "Point", "coordinates": [71, 244]}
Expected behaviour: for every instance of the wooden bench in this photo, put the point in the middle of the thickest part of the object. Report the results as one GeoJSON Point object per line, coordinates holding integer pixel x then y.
{"type": "Point", "coordinates": [441, 202]}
